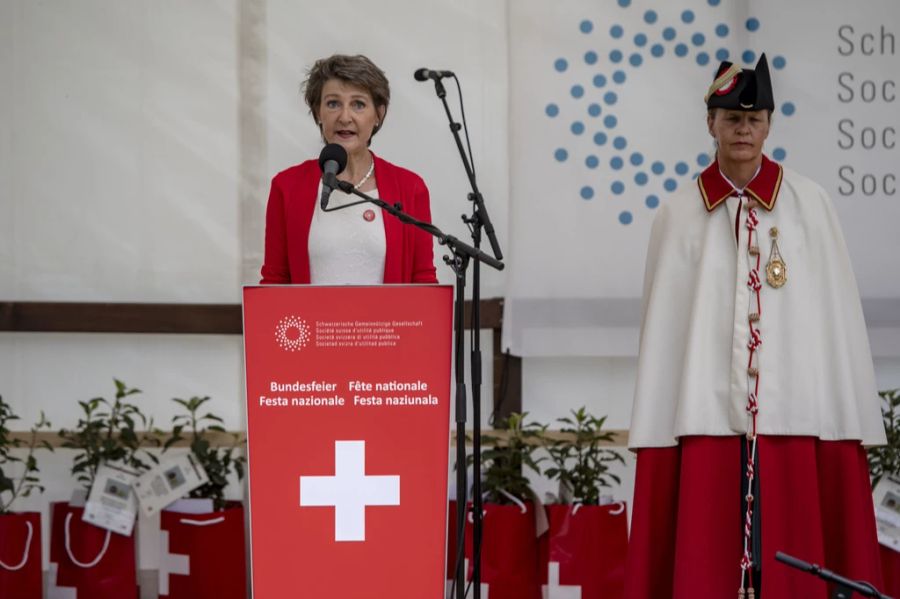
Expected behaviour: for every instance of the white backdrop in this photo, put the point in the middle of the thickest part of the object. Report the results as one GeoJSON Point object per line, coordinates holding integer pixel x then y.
{"type": "Point", "coordinates": [137, 141]}
{"type": "Point", "coordinates": [612, 95]}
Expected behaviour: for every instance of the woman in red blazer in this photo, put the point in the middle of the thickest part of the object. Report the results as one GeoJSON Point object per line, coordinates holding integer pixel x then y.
{"type": "Point", "coordinates": [348, 97]}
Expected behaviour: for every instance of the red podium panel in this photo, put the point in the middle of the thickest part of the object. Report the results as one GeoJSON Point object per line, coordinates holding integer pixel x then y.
{"type": "Point", "coordinates": [348, 415]}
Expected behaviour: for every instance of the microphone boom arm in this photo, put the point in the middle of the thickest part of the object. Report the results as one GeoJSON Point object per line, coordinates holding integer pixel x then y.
{"type": "Point", "coordinates": [455, 245]}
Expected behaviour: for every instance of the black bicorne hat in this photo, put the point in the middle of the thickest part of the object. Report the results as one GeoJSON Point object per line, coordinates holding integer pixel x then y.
{"type": "Point", "coordinates": [735, 88]}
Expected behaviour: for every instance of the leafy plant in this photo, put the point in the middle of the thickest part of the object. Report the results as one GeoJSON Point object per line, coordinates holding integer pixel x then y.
{"type": "Point", "coordinates": [217, 461]}
{"type": "Point", "coordinates": [509, 450]}
{"type": "Point", "coordinates": [27, 482]}
{"type": "Point", "coordinates": [885, 460]}
{"type": "Point", "coordinates": [580, 463]}
{"type": "Point", "coordinates": [107, 432]}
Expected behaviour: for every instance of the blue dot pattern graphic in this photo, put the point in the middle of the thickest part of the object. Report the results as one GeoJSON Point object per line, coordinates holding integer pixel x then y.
{"type": "Point", "coordinates": [635, 174]}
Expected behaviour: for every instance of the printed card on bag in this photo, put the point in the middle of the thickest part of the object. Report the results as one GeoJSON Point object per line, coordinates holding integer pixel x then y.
{"type": "Point", "coordinates": [111, 503]}
{"type": "Point", "coordinates": [168, 482]}
{"type": "Point", "coordinates": [887, 511]}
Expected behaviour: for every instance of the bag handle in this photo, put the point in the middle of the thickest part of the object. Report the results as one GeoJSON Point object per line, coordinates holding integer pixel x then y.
{"type": "Point", "coordinates": [25, 555]}
{"type": "Point", "coordinates": [514, 499]}
{"type": "Point", "coordinates": [620, 508]}
{"type": "Point", "coordinates": [192, 522]}
{"type": "Point", "coordinates": [69, 547]}
{"type": "Point", "coordinates": [472, 518]}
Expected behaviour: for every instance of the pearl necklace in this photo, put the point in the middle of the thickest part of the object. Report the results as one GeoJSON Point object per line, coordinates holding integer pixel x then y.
{"type": "Point", "coordinates": [368, 174]}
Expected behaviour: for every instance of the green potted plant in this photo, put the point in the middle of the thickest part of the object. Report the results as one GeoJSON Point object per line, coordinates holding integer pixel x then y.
{"type": "Point", "coordinates": [20, 532]}
{"type": "Point", "coordinates": [586, 539]}
{"type": "Point", "coordinates": [509, 451]}
{"type": "Point", "coordinates": [97, 563]}
{"type": "Point", "coordinates": [108, 432]}
{"type": "Point", "coordinates": [211, 535]}
{"type": "Point", "coordinates": [885, 460]}
{"type": "Point", "coordinates": [203, 432]}
{"type": "Point", "coordinates": [581, 459]}
{"type": "Point", "coordinates": [511, 515]}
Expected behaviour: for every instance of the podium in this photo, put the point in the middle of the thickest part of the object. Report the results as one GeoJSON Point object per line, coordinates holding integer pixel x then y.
{"type": "Point", "coordinates": [348, 420]}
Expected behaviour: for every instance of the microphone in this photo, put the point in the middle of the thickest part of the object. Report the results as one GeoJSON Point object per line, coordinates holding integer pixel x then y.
{"type": "Point", "coordinates": [426, 74]}
{"type": "Point", "coordinates": [332, 161]}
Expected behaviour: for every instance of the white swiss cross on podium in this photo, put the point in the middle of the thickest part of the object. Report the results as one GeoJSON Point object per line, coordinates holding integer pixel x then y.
{"type": "Point", "coordinates": [349, 491]}
{"type": "Point", "coordinates": [554, 590]}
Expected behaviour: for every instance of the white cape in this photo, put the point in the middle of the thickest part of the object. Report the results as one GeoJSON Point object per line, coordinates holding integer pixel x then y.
{"type": "Point", "coordinates": [816, 375]}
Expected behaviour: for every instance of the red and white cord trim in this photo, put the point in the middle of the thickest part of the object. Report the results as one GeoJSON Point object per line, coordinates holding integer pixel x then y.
{"type": "Point", "coordinates": [753, 344]}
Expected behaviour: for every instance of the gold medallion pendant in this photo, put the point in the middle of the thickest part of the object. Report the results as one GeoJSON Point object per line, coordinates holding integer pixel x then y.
{"type": "Point", "coordinates": [776, 269]}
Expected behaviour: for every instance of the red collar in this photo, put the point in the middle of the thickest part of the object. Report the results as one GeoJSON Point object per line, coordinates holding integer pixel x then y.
{"type": "Point", "coordinates": [714, 188]}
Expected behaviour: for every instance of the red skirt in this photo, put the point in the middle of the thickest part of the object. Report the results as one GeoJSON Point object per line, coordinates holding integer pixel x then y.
{"type": "Point", "coordinates": [686, 528]}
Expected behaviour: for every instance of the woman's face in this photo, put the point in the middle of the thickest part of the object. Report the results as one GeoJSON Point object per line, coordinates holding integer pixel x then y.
{"type": "Point", "coordinates": [348, 115]}
{"type": "Point", "coordinates": [739, 133]}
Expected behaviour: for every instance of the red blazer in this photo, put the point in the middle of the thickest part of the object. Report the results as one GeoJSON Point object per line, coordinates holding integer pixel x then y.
{"type": "Point", "coordinates": [409, 256]}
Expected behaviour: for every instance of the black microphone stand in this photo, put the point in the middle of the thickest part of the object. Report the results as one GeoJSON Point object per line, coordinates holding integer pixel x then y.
{"type": "Point", "coordinates": [843, 587]}
{"type": "Point", "coordinates": [462, 253]}
{"type": "Point", "coordinates": [476, 222]}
